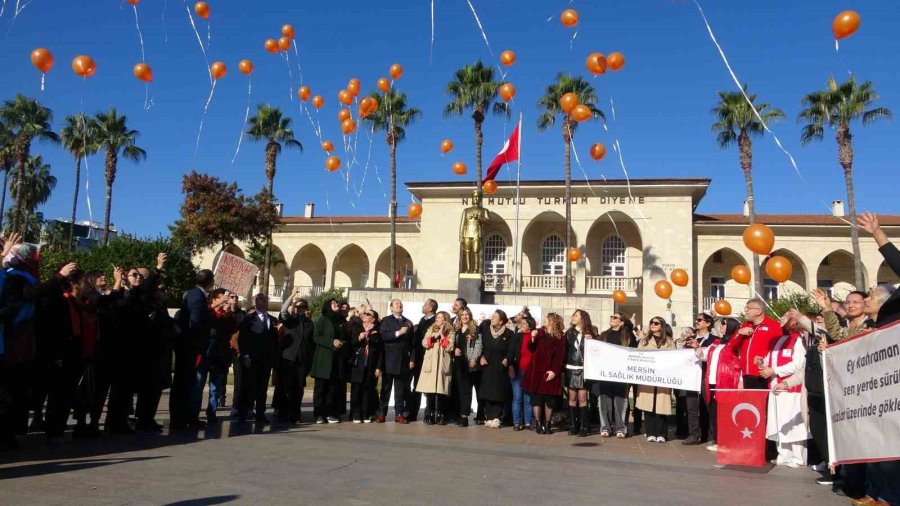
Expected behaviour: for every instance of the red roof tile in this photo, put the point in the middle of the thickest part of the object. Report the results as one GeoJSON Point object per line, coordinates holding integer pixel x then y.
{"type": "Point", "coordinates": [287, 220]}
{"type": "Point", "coordinates": [786, 219]}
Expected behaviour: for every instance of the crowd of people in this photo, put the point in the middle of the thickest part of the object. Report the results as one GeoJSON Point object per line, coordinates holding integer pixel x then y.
{"type": "Point", "coordinates": [72, 345]}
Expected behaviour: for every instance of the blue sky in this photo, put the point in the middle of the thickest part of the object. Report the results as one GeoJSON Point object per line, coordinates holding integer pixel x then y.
{"type": "Point", "coordinates": [662, 96]}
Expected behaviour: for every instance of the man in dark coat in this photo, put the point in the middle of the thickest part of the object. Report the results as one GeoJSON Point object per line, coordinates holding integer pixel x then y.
{"type": "Point", "coordinates": [258, 342]}
{"type": "Point", "coordinates": [295, 358]}
{"type": "Point", "coordinates": [195, 320]}
{"type": "Point", "coordinates": [396, 331]}
{"type": "Point", "coordinates": [329, 337]}
{"type": "Point", "coordinates": [413, 399]}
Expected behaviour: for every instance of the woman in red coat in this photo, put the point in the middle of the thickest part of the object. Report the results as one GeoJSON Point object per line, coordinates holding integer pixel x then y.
{"type": "Point", "coordinates": [542, 378]}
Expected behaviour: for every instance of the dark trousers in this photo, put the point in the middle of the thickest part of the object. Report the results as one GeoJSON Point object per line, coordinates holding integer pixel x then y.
{"type": "Point", "coordinates": [883, 481]}
{"type": "Point", "coordinates": [697, 416]}
{"type": "Point", "coordinates": [325, 393]}
{"type": "Point", "coordinates": [399, 384]}
{"type": "Point", "coordinates": [818, 427]}
{"type": "Point", "coordinates": [61, 384]}
{"type": "Point", "coordinates": [13, 401]}
{"type": "Point", "coordinates": [436, 404]}
{"type": "Point", "coordinates": [681, 415]}
{"type": "Point", "coordinates": [462, 381]}
{"type": "Point", "coordinates": [636, 414]}
{"type": "Point", "coordinates": [363, 397]}
{"type": "Point", "coordinates": [413, 400]}
{"type": "Point", "coordinates": [292, 376]}
{"type": "Point", "coordinates": [182, 383]}
{"type": "Point", "coordinates": [237, 369]}
{"type": "Point", "coordinates": [492, 409]}
{"type": "Point", "coordinates": [148, 401]}
{"type": "Point", "coordinates": [657, 425]}
{"type": "Point", "coordinates": [254, 388]}
{"type": "Point", "coordinates": [713, 421]}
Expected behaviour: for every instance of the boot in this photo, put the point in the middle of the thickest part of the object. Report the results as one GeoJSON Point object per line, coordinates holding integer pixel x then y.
{"type": "Point", "coordinates": [538, 425]}
{"type": "Point", "coordinates": [585, 422]}
{"type": "Point", "coordinates": [573, 420]}
{"type": "Point", "coordinates": [547, 428]}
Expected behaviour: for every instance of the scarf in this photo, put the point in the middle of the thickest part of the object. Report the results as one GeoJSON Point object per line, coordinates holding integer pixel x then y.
{"type": "Point", "coordinates": [499, 332]}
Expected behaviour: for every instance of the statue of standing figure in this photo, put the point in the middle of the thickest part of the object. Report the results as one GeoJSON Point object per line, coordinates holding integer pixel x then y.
{"type": "Point", "coordinates": [470, 234]}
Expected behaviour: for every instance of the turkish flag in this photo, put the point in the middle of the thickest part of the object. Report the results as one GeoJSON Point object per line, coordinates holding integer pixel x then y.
{"type": "Point", "coordinates": [741, 430]}
{"type": "Point", "coordinates": [509, 153]}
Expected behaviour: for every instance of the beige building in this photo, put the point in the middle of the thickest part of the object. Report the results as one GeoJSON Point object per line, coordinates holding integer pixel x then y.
{"type": "Point", "coordinates": [630, 236]}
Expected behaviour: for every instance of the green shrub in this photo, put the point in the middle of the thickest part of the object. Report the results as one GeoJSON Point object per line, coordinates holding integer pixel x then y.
{"type": "Point", "coordinates": [799, 301]}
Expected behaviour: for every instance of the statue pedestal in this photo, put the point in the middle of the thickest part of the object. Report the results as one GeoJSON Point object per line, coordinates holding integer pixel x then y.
{"type": "Point", "coordinates": [471, 288]}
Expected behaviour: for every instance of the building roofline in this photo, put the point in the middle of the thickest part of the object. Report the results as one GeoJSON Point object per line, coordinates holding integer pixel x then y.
{"type": "Point", "coordinates": [890, 220]}
{"type": "Point", "coordinates": [343, 220]}
{"type": "Point", "coordinates": [686, 181]}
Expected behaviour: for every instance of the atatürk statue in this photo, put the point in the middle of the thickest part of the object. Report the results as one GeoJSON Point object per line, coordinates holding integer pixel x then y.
{"type": "Point", "coordinates": [470, 234]}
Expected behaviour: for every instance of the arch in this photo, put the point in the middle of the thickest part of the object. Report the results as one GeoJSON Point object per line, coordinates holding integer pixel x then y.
{"type": "Point", "coordinates": [496, 258]}
{"type": "Point", "coordinates": [886, 275]}
{"type": "Point", "coordinates": [384, 278]}
{"type": "Point", "coordinates": [835, 273]}
{"type": "Point", "coordinates": [350, 268]}
{"type": "Point", "coordinates": [309, 266]}
{"type": "Point", "coordinates": [538, 229]}
{"type": "Point", "coordinates": [799, 276]}
{"type": "Point", "coordinates": [553, 255]}
{"type": "Point", "coordinates": [279, 275]}
{"type": "Point", "coordinates": [715, 277]}
{"type": "Point", "coordinates": [497, 227]}
{"type": "Point", "coordinates": [610, 225]}
{"type": "Point", "coordinates": [231, 248]}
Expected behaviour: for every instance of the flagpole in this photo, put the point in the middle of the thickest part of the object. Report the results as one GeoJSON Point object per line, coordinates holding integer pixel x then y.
{"type": "Point", "coordinates": [517, 283]}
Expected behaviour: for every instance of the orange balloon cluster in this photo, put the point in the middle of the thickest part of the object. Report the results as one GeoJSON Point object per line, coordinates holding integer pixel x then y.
{"type": "Point", "coordinates": [143, 72]}
{"type": "Point", "coordinates": [845, 24]}
{"type": "Point", "coordinates": [619, 296]}
{"type": "Point", "coordinates": [332, 163]}
{"type": "Point", "coordinates": [460, 168]}
{"type": "Point", "coordinates": [446, 146]}
{"type": "Point", "coordinates": [327, 146]}
{"type": "Point", "coordinates": [202, 10]}
{"type": "Point", "coordinates": [353, 86]}
{"type": "Point", "coordinates": [367, 106]}
{"type": "Point", "coordinates": [722, 307]}
{"type": "Point", "coordinates": [246, 67]}
{"type": "Point", "coordinates": [741, 274]}
{"type": "Point", "coordinates": [414, 210]}
{"type": "Point", "coordinates": [679, 277]}
{"type": "Point", "coordinates": [596, 63]}
{"type": "Point", "coordinates": [507, 92]}
{"type": "Point", "coordinates": [218, 70]}
{"type": "Point", "coordinates": [569, 18]}
{"type": "Point", "coordinates": [318, 101]}
{"type": "Point", "coordinates": [759, 239]}
{"type": "Point", "coordinates": [345, 97]}
{"type": "Point", "coordinates": [779, 268]}
{"type": "Point", "coordinates": [396, 71]}
{"type": "Point", "coordinates": [489, 187]}
{"type": "Point", "coordinates": [303, 92]}
{"type": "Point", "coordinates": [573, 254]}
{"type": "Point", "coordinates": [271, 45]}
{"type": "Point", "coordinates": [663, 289]}
{"type": "Point", "coordinates": [383, 84]}
{"type": "Point", "coordinates": [568, 102]}
{"type": "Point", "coordinates": [84, 65]}
{"type": "Point", "coordinates": [507, 58]}
{"type": "Point", "coordinates": [42, 59]}
{"type": "Point", "coordinates": [598, 151]}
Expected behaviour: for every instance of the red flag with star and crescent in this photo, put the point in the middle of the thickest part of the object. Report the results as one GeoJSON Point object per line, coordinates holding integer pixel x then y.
{"type": "Point", "coordinates": [741, 430]}
{"type": "Point", "coordinates": [509, 153]}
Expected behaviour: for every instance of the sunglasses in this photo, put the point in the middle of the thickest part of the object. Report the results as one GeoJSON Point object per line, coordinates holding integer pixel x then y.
{"type": "Point", "coordinates": [655, 323]}
{"type": "Point", "coordinates": [613, 317]}
{"type": "Point", "coordinates": [135, 275]}
{"type": "Point", "coordinates": [698, 320]}
{"type": "Point", "coordinates": [369, 314]}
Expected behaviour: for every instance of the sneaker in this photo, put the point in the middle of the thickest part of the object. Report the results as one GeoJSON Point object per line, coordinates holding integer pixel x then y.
{"type": "Point", "coordinates": [651, 439]}
{"type": "Point", "coordinates": [357, 420]}
{"type": "Point", "coordinates": [620, 435]}
{"type": "Point", "coordinates": [713, 447]}
{"type": "Point", "coordinates": [660, 439]}
{"type": "Point", "coordinates": [826, 480]}
{"type": "Point", "coordinates": [320, 420]}
{"type": "Point", "coordinates": [369, 420]}
{"type": "Point", "coordinates": [604, 433]}
{"type": "Point", "coordinates": [792, 464]}
{"type": "Point", "coordinates": [332, 419]}
{"type": "Point", "coordinates": [821, 467]}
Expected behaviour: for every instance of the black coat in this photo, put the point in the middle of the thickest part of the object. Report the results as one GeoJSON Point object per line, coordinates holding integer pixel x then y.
{"type": "Point", "coordinates": [258, 342]}
{"type": "Point", "coordinates": [363, 363]}
{"type": "Point", "coordinates": [890, 310]}
{"type": "Point", "coordinates": [195, 319]}
{"type": "Point", "coordinates": [397, 349]}
{"type": "Point", "coordinates": [297, 345]}
{"type": "Point", "coordinates": [495, 382]}
{"type": "Point", "coordinates": [418, 351]}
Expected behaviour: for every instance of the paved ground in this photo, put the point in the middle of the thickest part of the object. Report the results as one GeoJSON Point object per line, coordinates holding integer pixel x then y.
{"type": "Point", "coordinates": [387, 464]}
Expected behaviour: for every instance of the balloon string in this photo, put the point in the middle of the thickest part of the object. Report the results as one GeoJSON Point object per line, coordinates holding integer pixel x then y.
{"type": "Point", "coordinates": [87, 168]}
{"type": "Point", "coordinates": [841, 58]}
{"type": "Point", "coordinates": [19, 8]}
{"type": "Point", "coordinates": [246, 116]}
{"type": "Point", "coordinates": [42, 80]}
{"type": "Point", "coordinates": [208, 34]}
{"type": "Point", "coordinates": [287, 62]}
{"type": "Point", "coordinates": [299, 67]}
{"type": "Point", "coordinates": [200, 41]}
{"type": "Point", "coordinates": [137, 25]}
{"type": "Point", "coordinates": [431, 50]}
{"type": "Point", "coordinates": [371, 136]}
{"type": "Point", "coordinates": [212, 89]}
{"type": "Point", "coordinates": [148, 97]}
{"type": "Point", "coordinates": [481, 28]}
{"type": "Point", "coordinates": [165, 28]}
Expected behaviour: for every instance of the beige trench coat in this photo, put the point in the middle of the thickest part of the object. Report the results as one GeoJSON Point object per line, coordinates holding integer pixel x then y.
{"type": "Point", "coordinates": [436, 368]}
{"type": "Point", "coordinates": [647, 394]}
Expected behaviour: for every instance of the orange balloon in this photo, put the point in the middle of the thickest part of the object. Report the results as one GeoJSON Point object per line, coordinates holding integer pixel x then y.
{"type": "Point", "coordinates": [568, 102]}
{"type": "Point", "coordinates": [218, 70]}
{"type": "Point", "coordinates": [619, 297]}
{"type": "Point", "coordinates": [133, 2]}
{"type": "Point", "coordinates": [383, 84]}
{"type": "Point", "coordinates": [759, 239]}
{"type": "Point", "coordinates": [373, 105]}
{"type": "Point", "coordinates": [284, 43]}
{"type": "Point", "coordinates": [663, 289]}
{"type": "Point", "coordinates": [367, 106]}
{"type": "Point", "coordinates": [598, 151]}
{"type": "Point", "coordinates": [303, 93]}
{"type": "Point", "coordinates": [507, 92]}
{"type": "Point", "coordinates": [507, 58]}
{"type": "Point", "coordinates": [348, 126]}
{"type": "Point", "coordinates": [143, 72]}
{"type": "Point", "coordinates": [569, 18]}
{"type": "Point", "coordinates": [779, 268]}
{"type": "Point", "coordinates": [616, 61]}
{"type": "Point", "coordinates": [353, 86]}
{"type": "Point", "coordinates": [202, 10]}
{"type": "Point", "coordinates": [396, 71]}
{"type": "Point", "coordinates": [271, 45]}
{"type": "Point", "coordinates": [318, 101]}
{"type": "Point", "coordinates": [345, 97]}
{"type": "Point", "coordinates": [460, 168]}
{"type": "Point", "coordinates": [574, 254]}
{"type": "Point", "coordinates": [332, 163]}
{"type": "Point", "coordinates": [84, 65]}
{"type": "Point", "coordinates": [741, 274]}
{"type": "Point", "coordinates": [287, 31]}
{"type": "Point", "coordinates": [581, 113]}
{"type": "Point", "coordinates": [446, 146]}
{"type": "Point", "coordinates": [343, 114]}
{"type": "Point", "coordinates": [414, 210]}
{"type": "Point", "coordinates": [722, 307]}
{"type": "Point", "coordinates": [596, 63]}
{"type": "Point", "coordinates": [679, 277]}
{"type": "Point", "coordinates": [42, 59]}
{"type": "Point", "coordinates": [845, 24]}
{"type": "Point", "coordinates": [327, 146]}
{"type": "Point", "coordinates": [490, 187]}
{"type": "Point", "coordinates": [245, 66]}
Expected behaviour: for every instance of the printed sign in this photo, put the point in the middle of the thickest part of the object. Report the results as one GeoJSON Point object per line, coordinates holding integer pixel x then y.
{"type": "Point", "coordinates": [661, 368]}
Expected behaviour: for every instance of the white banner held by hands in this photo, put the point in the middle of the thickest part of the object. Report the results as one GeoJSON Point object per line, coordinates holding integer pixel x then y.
{"type": "Point", "coordinates": [661, 368]}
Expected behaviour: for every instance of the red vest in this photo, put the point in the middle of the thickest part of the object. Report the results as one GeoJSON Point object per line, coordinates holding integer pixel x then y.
{"type": "Point", "coordinates": [783, 354]}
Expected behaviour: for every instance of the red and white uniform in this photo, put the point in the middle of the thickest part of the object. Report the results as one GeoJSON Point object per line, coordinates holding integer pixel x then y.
{"type": "Point", "coordinates": [757, 344]}
{"type": "Point", "coordinates": [784, 422]}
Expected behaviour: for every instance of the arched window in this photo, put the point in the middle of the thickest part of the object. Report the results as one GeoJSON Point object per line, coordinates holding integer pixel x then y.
{"type": "Point", "coordinates": [553, 256]}
{"type": "Point", "coordinates": [495, 255]}
{"type": "Point", "coordinates": [612, 257]}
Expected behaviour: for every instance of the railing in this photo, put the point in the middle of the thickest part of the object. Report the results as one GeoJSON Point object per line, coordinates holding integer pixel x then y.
{"type": "Point", "coordinates": [709, 303]}
{"type": "Point", "coordinates": [498, 282]}
{"type": "Point", "coordinates": [277, 293]}
{"type": "Point", "coordinates": [542, 282]}
{"type": "Point", "coordinates": [601, 284]}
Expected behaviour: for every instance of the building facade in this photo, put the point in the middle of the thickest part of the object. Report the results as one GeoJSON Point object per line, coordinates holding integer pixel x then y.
{"type": "Point", "coordinates": [630, 233]}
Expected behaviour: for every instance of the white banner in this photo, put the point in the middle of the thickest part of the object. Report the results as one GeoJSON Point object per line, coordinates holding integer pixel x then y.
{"type": "Point", "coordinates": [235, 274]}
{"type": "Point", "coordinates": [412, 310]}
{"type": "Point", "coordinates": [660, 368]}
{"type": "Point", "coordinates": [863, 397]}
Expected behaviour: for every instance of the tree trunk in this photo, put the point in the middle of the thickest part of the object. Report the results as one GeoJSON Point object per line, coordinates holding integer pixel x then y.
{"type": "Point", "coordinates": [108, 211]}
{"type": "Point", "coordinates": [3, 198]}
{"type": "Point", "coordinates": [845, 154]}
{"type": "Point", "coordinates": [271, 158]}
{"type": "Point", "coordinates": [23, 148]}
{"type": "Point", "coordinates": [393, 210]}
{"type": "Point", "coordinates": [112, 159]}
{"type": "Point", "coordinates": [478, 116]}
{"type": "Point", "coordinates": [745, 146]}
{"type": "Point", "coordinates": [74, 204]}
{"type": "Point", "coordinates": [567, 136]}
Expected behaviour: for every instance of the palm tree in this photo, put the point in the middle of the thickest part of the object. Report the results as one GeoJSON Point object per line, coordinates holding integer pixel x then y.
{"type": "Point", "coordinates": [7, 161]}
{"type": "Point", "coordinates": [474, 87]}
{"type": "Point", "coordinates": [837, 107]}
{"type": "Point", "coordinates": [736, 123]}
{"type": "Point", "coordinates": [587, 95]}
{"type": "Point", "coordinates": [115, 137]}
{"type": "Point", "coordinates": [78, 139]}
{"type": "Point", "coordinates": [393, 116]}
{"type": "Point", "coordinates": [27, 120]}
{"type": "Point", "coordinates": [275, 131]}
{"type": "Point", "coordinates": [32, 192]}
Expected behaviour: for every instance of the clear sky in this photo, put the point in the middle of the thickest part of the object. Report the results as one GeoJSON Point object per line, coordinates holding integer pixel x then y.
{"type": "Point", "coordinates": [662, 97]}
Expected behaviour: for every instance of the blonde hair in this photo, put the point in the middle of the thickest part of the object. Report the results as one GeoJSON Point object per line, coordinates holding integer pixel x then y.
{"type": "Point", "coordinates": [556, 327]}
{"type": "Point", "coordinates": [472, 328]}
{"type": "Point", "coordinates": [434, 326]}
